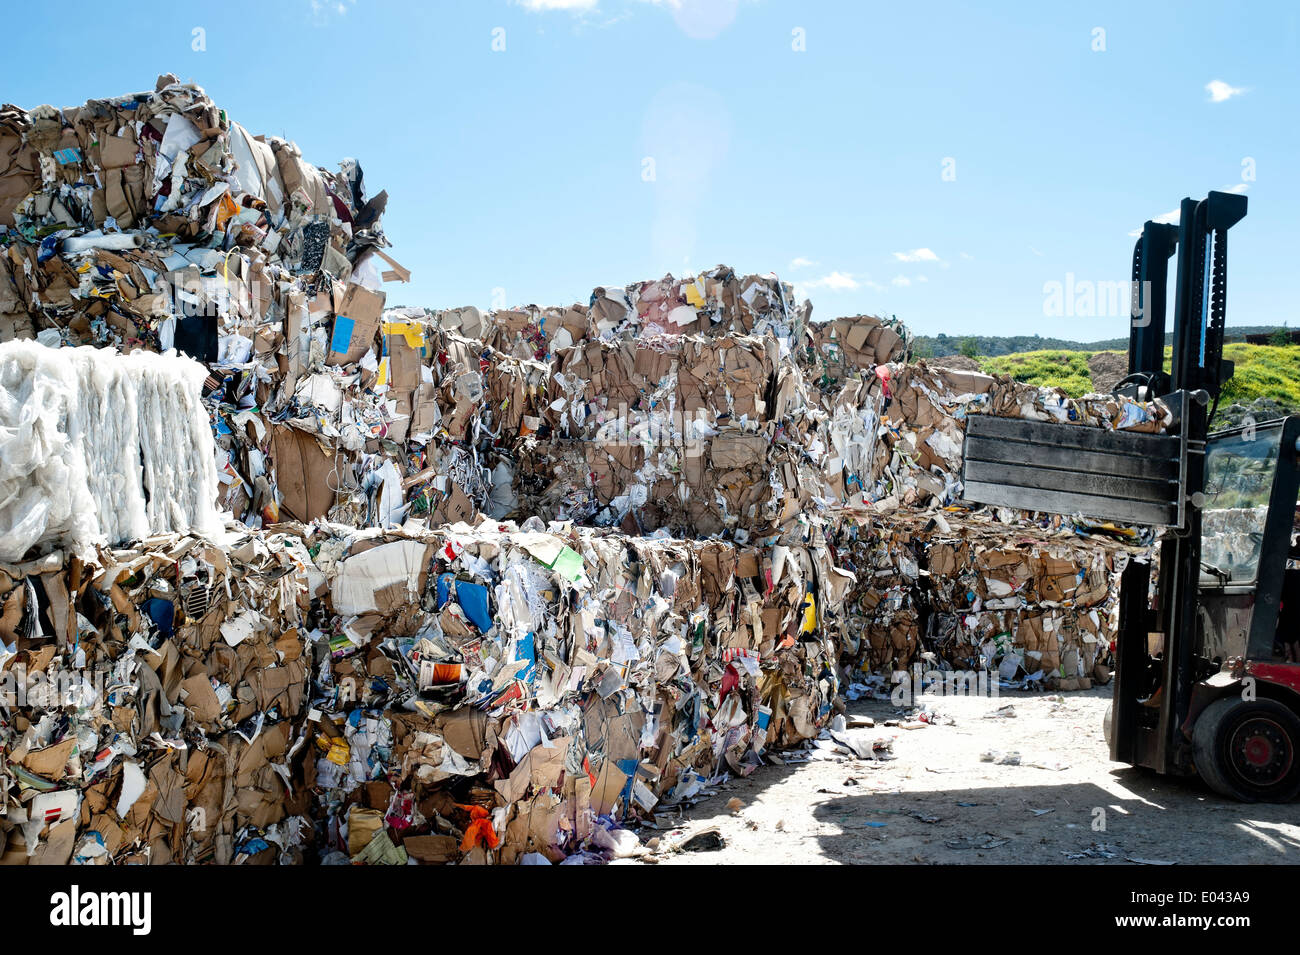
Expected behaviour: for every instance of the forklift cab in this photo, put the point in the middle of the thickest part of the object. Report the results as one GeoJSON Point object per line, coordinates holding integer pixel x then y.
{"type": "Point", "coordinates": [1247, 476]}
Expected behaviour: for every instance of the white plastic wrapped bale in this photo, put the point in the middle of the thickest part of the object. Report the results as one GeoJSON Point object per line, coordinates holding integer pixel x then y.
{"type": "Point", "coordinates": [98, 448]}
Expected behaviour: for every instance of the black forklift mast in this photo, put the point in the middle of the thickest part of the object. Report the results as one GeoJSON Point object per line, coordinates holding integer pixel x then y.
{"type": "Point", "coordinates": [1194, 379]}
{"type": "Point", "coordinates": [1200, 305]}
{"type": "Point", "coordinates": [1146, 344]}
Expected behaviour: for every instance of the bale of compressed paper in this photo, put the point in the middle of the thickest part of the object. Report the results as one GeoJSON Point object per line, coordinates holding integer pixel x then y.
{"type": "Point", "coordinates": [1035, 603]}
{"type": "Point", "coordinates": [153, 695]}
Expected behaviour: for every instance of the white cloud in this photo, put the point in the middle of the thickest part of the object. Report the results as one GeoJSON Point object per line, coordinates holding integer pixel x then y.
{"type": "Point", "coordinates": [836, 282]}
{"type": "Point", "coordinates": [922, 278]}
{"type": "Point", "coordinates": [902, 281]}
{"type": "Point", "coordinates": [536, 5]}
{"type": "Point", "coordinates": [1221, 92]}
{"type": "Point", "coordinates": [916, 255]}
{"type": "Point", "coordinates": [967, 255]}
{"type": "Point", "coordinates": [799, 262]}
{"type": "Point", "coordinates": [323, 9]}
{"type": "Point", "coordinates": [1237, 188]}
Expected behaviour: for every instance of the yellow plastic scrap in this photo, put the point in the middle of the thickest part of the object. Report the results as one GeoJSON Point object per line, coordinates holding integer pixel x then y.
{"type": "Point", "coordinates": [694, 293]}
{"type": "Point", "coordinates": [337, 749]}
{"type": "Point", "coordinates": [809, 614]}
{"type": "Point", "coordinates": [226, 208]}
{"type": "Point", "coordinates": [413, 332]}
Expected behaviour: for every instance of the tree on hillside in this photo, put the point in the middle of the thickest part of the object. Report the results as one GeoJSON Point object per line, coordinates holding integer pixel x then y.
{"type": "Point", "coordinates": [969, 348]}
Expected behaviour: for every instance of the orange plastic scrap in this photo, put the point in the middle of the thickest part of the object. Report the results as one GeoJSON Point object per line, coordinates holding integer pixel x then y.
{"type": "Point", "coordinates": [479, 829]}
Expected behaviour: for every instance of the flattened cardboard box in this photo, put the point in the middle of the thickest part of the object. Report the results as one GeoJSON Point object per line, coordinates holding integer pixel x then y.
{"type": "Point", "coordinates": [303, 469]}
{"type": "Point", "coordinates": [355, 325]}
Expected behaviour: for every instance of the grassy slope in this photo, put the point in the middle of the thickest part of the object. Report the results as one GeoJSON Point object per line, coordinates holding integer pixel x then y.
{"type": "Point", "coordinates": [1002, 345]}
{"type": "Point", "coordinates": [1262, 371]}
{"type": "Point", "coordinates": [1054, 368]}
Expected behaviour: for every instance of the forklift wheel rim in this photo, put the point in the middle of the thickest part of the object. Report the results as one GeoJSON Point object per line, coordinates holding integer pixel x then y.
{"type": "Point", "coordinates": [1261, 751]}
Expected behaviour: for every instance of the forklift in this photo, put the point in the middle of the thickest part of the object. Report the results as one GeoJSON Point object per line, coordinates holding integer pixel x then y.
{"type": "Point", "coordinates": [1207, 655]}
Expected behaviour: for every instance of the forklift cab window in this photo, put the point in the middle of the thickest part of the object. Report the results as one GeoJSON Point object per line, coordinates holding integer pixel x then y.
{"type": "Point", "coordinates": [1239, 471]}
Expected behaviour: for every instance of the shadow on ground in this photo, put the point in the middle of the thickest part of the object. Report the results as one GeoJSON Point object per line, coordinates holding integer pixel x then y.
{"type": "Point", "coordinates": [1175, 821]}
{"type": "Point", "coordinates": [939, 804]}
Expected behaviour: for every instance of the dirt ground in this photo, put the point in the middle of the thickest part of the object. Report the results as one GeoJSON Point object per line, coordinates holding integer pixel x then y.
{"type": "Point", "coordinates": [1106, 369]}
{"type": "Point", "coordinates": [938, 803]}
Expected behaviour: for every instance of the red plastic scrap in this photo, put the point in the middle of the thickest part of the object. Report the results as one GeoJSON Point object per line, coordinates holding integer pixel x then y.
{"type": "Point", "coordinates": [479, 829]}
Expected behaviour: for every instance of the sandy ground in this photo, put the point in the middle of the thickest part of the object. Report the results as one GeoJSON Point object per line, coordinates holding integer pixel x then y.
{"type": "Point", "coordinates": [938, 803]}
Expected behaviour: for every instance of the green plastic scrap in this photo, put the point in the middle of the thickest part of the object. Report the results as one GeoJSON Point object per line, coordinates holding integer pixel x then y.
{"type": "Point", "coordinates": [568, 563]}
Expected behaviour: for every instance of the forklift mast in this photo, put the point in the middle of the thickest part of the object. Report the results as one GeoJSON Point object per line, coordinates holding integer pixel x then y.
{"type": "Point", "coordinates": [1201, 299]}
{"type": "Point", "coordinates": [1196, 373]}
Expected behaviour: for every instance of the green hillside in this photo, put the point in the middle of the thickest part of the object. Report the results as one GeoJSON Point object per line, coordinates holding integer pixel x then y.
{"type": "Point", "coordinates": [1264, 371]}
{"type": "Point", "coordinates": [935, 346]}
{"type": "Point", "coordinates": [1266, 375]}
{"type": "Point", "coordinates": [1055, 368]}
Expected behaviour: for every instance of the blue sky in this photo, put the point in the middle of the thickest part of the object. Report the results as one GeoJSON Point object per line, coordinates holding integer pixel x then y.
{"type": "Point", "coordinates": [520, 174]}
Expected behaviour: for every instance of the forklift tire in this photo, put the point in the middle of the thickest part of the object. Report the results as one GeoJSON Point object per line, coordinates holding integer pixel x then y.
{"type": "Point", "coordinates": [1248, 750]}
